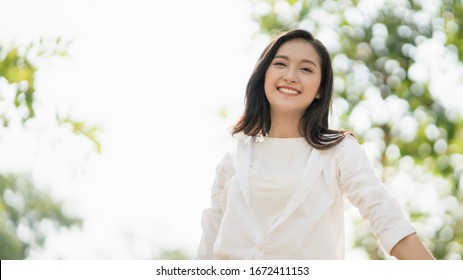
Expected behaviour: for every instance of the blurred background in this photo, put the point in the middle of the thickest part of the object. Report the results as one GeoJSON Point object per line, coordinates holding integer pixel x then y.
{"type": "Point", "coordinates": [114, 115]}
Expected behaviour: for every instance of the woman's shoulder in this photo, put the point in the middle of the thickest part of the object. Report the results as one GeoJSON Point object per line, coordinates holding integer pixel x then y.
{"type": "Point", "coordinates": [349, 146]}
{"type": "Point", "coordinates": [227, 163]}
{"type": "Point", "coordinates": [229, 158]}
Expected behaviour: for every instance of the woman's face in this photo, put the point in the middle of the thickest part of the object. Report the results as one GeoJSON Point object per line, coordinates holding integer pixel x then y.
{"type": "Point", "coordinates": [293, 78]}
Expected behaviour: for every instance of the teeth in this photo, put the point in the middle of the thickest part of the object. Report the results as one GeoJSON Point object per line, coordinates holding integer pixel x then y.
{"type": "Point", "coordinates": [288, 91]}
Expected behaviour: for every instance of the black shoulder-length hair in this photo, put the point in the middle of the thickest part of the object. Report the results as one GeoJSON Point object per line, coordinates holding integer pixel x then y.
{"type": "Point", "coordinates": [314, 122]}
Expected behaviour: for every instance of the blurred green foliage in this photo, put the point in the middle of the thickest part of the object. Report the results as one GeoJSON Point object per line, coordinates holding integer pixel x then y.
{"type": "Point", "coordinates": [26, 212]}
{"type": "Point", "coordinates": [173, 254]}
{"type": "Point", "coordinates": [26, 215]}
{"type": "Point", "coordinates": [18, 67]}
{"type": "Point", "coordinates": [384, 74]}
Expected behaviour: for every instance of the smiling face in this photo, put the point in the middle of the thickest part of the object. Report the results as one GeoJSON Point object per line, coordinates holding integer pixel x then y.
{"type": "Point", "coordinates": [293, 78]}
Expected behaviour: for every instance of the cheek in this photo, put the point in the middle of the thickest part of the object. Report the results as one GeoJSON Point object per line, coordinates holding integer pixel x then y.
{"type": "Point", "coordinates": [267, 92]}
{"type": "Point", "coordinates": [313, 84]}
{"type": "Point", "coordinates": [269, 83]}
{"type": "Point", "coordinates": [267, 79]}
{"type": "Point", "coordinates": [272, 75]}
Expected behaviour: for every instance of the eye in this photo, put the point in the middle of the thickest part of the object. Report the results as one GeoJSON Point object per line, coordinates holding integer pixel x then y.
{"type": "Point", "coordinates": [308, 70]}
{"type": "Point", "coordinates": [278, 63]}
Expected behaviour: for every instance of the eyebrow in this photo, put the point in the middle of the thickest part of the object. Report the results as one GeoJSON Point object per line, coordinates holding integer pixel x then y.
{"type": "Point", "coordinates": [303, 60]}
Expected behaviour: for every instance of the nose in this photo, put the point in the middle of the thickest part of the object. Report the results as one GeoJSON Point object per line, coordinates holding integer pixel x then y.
{"type": "Point", "coordinates": [290, 76]}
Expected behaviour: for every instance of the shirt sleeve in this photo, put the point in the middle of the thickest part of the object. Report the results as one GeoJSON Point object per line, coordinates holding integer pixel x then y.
{"type": "Point", "coordinates": [364, 189]}
{"type": "Point", "coordinates": [212, 216]}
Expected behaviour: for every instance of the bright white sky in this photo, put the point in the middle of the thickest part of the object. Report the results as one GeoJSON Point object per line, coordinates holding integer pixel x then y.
{"type": "Point", "coordinates": [153, 75]}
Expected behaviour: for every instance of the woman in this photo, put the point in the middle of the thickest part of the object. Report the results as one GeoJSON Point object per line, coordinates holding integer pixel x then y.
{"type": "Point", "coordinates": [282, 196]}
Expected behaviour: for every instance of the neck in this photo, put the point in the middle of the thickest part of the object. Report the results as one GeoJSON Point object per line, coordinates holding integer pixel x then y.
{"type": "Point", "coordinates": [285, 126]}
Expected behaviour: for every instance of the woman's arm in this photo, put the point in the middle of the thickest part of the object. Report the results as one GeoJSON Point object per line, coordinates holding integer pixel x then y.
{"type": "Point", "coordinates": [212, 216]}
{"type": "Point", "coordinates": [411, 248]}
{"type": "Point", "coordinates": [365, 190]}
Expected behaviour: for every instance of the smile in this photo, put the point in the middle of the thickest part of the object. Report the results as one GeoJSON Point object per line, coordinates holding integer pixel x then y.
{"type": "Point", "coordinates": [288, 90]}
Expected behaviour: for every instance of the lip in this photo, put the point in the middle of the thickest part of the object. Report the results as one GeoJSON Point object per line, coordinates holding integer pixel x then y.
{"type": "Point", "coordinates": [288, 94]}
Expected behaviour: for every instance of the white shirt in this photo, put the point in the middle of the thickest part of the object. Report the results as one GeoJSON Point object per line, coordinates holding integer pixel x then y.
{"type": "Point", "coordinates": [311, 224]}
{"type": "Point", "coordinates": [277, 168]}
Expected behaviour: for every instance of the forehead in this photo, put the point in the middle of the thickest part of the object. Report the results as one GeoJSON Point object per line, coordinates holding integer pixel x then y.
{"type": "Point", "coordinates": [299, 49]}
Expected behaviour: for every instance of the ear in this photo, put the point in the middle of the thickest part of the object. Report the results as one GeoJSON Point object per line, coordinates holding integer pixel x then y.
{"type": "Point", "coordinates": [318, 95]}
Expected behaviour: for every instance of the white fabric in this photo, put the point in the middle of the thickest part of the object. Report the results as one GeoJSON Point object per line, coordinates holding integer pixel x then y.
{"type": "Point", "coordinates": [277, 167]}
{"type": "Point", "coordinates": [311, 225]}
